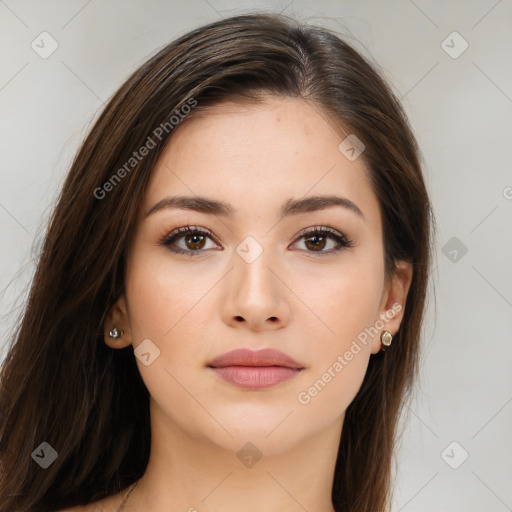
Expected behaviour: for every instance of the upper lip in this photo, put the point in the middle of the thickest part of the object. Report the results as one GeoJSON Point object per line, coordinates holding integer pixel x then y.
{"type": "Point", "coordinates": [248, 357]}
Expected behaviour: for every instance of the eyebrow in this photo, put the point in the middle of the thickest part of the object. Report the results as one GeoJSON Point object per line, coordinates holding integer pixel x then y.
{"type": "Point", "coordinates": [290, 207]}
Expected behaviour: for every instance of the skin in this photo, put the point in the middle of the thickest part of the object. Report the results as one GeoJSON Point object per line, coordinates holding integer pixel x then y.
{"type": "Point", "coordinates": [308, 305]}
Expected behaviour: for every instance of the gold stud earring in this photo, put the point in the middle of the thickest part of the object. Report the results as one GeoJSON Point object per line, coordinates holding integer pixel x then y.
{"type": "Point", "coordinates": [385, 338]}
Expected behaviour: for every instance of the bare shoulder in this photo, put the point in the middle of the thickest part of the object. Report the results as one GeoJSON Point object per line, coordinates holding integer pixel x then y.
{"type": "Point", "coordinates": [108, 504]}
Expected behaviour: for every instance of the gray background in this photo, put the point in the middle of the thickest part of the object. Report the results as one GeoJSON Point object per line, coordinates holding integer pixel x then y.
{"type": "Point", "coordinates": [460, 108]}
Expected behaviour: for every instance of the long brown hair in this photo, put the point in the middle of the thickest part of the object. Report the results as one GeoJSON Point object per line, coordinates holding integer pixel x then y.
{"type": "Point", "coordinates": [62, 385]}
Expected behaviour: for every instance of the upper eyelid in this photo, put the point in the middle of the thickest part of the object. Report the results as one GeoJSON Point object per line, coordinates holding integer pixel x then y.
{"type": "Point", "coordinates": [327, 229]}
{"type": "Point", "coordinates": [184, 230]}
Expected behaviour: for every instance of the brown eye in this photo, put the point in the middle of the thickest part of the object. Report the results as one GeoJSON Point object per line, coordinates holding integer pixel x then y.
{"type": "Point", "coordinates": [317, 239]}
{"type": "Point", "coordinates": [194, 240]}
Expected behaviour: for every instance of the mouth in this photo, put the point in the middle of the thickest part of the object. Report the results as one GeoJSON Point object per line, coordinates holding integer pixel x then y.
{"type": "Point", "coordinates": [255, 370]}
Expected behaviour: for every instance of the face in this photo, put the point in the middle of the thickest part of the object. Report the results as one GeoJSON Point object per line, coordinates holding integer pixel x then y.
{"type": "Point", "coordinates": [254, 279]}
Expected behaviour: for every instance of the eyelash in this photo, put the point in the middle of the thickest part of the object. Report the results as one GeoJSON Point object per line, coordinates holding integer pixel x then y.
{"type": "Point", "coordinates": [341, 239]}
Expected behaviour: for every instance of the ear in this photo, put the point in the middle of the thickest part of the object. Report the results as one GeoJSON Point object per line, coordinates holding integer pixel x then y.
{"type": "Point", "coordinates": [392, 307]}
{"type": "Point", "coordinates": [118, 317]}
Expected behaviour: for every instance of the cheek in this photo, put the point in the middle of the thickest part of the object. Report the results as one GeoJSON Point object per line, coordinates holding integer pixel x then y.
{"type": "Point", "coordinates": [348, 306]}
{"type": "Point", "coordinates": [163, 297]}
{"type": "Point", "coordinates": [165, 307]}
{"type": "Point", "coordinates": [347, 303]}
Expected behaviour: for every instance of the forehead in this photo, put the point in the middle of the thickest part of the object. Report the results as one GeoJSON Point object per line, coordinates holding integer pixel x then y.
{"type": "Point", "coordinates": [257, 156]}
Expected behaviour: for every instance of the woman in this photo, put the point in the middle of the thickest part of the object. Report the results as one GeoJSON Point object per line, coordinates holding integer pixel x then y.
{"type": "Point", "coordinates": [227, 307]}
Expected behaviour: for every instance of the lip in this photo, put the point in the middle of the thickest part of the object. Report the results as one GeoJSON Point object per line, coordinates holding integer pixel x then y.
{"type": "Point", "coordinates": [255, 370]}
{"type": "Point", "coordinates": [248, 357]}
{"type": "Point", "coordinates": [256, 377]}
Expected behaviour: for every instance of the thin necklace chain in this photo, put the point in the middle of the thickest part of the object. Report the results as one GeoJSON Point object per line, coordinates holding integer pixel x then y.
{"type": "Point", "coordinates": [123, 503]}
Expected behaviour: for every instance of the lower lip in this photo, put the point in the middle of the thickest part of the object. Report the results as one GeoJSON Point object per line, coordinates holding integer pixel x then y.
{"type": "Point", "coordinates": [256, 377]}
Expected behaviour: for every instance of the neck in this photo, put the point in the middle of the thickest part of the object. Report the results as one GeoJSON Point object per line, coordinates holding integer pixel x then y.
{"type": "Point", "coordinates": [187, 472]}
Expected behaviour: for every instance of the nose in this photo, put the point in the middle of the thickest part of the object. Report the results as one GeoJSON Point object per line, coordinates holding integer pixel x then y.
{"type": "Point", "coordinates": [256, 294]}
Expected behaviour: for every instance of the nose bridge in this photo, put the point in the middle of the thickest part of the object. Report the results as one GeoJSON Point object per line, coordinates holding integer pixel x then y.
{"type": "Point", "coordinates": [253, 263]}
